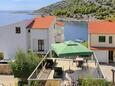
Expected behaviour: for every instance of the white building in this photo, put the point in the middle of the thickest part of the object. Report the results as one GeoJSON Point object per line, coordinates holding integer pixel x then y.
{"type": "Point", "coordinates": [101, 38]}
{"type": "Point", "coordinates": [37, 34]}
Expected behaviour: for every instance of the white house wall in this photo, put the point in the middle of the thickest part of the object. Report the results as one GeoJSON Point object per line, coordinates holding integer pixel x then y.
{"type": "Point", "coordinates": [94, 40]}
{"type": "Point", "coordinates": [37, 34]}
{"type": "Point", "coordinates": [10, 42]}
{"type": "Point", "coordinates": [114, 55]}
{"type": "Point", "coordinates": [59, 33]}
{"type": "Point", "coordinates": [102, 55]}
{"type": "Point", "coordinates": [51, 33]}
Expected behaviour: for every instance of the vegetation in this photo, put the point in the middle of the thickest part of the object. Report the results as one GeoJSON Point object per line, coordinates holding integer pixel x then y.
{"type": "Point", "coordinates": [35, 83]}
{"type": "Point", "coordinates": [99, 9]}
{"type": "Point", "coordinates": [85, 44]}
{"type": "Point", "coordinates": [94, 82]}
{"type": "Point", "coordinates": [1, 55]}
{"type": "Point", "coordinates": [24, 64]}
{"type": "Point", "coordinates": [79, 11]}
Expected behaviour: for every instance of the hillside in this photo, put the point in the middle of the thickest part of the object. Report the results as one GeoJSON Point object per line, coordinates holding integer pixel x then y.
{"type": "Point", "coordinates": [81, 9]}
{"type": "Point", "coordinates": [55, 6]}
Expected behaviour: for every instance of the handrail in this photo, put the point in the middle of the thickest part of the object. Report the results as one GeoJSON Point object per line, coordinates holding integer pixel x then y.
{"type": "Point", "coordinates": [29, 78]}
{"type": "Point", "coordinates": [97, 62]}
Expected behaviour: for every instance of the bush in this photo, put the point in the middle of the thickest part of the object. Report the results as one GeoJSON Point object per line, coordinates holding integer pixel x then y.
{"type": "Point", "coordinates": [93, 82]}
{"type": "Point", "coordinates": [24, 64]}
{"type": "Point", "coordinates": [1, 55]}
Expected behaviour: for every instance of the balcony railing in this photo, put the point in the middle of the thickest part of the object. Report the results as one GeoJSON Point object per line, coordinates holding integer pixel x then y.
{"type": "Point", "coordinates": [101, 75]}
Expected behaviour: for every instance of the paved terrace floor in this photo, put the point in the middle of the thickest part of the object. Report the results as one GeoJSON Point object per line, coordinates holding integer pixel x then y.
{"type": "Point", "coordinates": [106, 70]}
{"type": "Point", "coordinates": [91, 71]}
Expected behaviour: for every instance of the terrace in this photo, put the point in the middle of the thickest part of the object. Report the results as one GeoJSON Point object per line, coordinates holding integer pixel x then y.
{"type": "Point", "coordinates": [52, 70]}
{"type": "Point", "coordinates": [90, 69]}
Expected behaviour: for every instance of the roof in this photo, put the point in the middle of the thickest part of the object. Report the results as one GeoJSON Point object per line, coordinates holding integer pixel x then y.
{"type": "Point", "coordinates": [24, 23]}
{"type": "Point", "coordinates": [102, 48]}
{"type": "Point", "coordinates": [101, 27]}
{"type": "Point", "coordinates": [60, 23]}
{"type": "Point", "coordinates": [70, 48]}
{"type": "Point", "coordinates": [42, 22]}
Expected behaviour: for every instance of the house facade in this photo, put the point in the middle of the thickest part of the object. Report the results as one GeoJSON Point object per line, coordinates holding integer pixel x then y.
{"type": "Point", "coordinates": [37, 34]}
{"type": "Point", "coordinates": [101, 39]}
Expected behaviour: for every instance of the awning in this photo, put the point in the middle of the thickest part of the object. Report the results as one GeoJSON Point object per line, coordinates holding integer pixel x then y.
{"type": "Point", "coordinates": [70, 49]}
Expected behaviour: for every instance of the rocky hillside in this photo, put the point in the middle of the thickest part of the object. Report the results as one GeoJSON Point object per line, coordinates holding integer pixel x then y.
{"type": "Point", "coordinates": [59, 5]}
{"type": "Point", "coordinates": [81, 9]}
{"type": "Point", "coordinates": [55, 6]}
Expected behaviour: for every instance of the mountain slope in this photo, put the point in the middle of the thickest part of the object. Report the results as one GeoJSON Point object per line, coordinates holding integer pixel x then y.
{"type": "Point", "coordinates": [99, 9]}
{"type": "Point", "coordinates": [49, 9]}
{"type": "Point", "coordinates": [59, 5]}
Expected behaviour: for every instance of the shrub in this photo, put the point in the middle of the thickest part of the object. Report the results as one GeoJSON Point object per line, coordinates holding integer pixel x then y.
{"type": "Point", "coordinates": [24, 64]}
{"type": "Point", "coordinates": [93, 82]}
{"type": "Point", "coordinates": [1, 55]}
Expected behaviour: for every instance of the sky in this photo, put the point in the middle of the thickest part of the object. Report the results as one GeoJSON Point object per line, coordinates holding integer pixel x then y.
{"type": "Point", "coordinates": [24, 4]}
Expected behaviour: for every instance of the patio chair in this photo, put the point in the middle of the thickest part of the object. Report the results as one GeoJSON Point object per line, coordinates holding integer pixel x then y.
{"type": "Point", "coordinates": [49, 64]}
{"type": "Point", "coordinates": [58, 73]}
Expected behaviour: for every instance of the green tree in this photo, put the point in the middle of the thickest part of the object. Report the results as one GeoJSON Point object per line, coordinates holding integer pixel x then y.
{"type": "Point", "coordinates": [24, 64]}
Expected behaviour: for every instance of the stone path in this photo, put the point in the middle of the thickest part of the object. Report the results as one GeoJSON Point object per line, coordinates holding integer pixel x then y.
{"type": "Point", "coordinates": [8, 80]}
{"type": "Point", "coordinates": [106, 70]}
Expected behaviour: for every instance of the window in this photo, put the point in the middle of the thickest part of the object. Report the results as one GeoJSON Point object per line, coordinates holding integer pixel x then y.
{"type": "Point", "coordinates": [102, 39]}
{"type": "Point", "coordinates": [110, 39]}
{"type": "Point", "coordinates": [40, 45]}
{"type": "Point", "coordinates": [28, 30]}
{"type": "Point", "coordinates": [18, 30]}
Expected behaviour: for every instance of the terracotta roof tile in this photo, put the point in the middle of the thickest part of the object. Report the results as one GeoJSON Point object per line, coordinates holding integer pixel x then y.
{"type": "Point", "coordinates": [60, 23]}
{"type": "Point", "coordinates": [42, 22]}
{"type": "Point", "coordinates": [101, 27]}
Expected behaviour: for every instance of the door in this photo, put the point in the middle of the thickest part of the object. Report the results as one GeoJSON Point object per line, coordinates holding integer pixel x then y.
{"type": "Point", "coordinates": [110, 56]}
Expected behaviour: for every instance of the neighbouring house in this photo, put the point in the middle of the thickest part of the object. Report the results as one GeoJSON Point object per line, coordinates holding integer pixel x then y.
{"type": "Point", "coordinates": [37, 34]}
{"type": "Point", "coordinates": [101, 37]}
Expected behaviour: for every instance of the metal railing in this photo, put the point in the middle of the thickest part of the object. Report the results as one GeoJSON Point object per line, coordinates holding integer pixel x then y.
{"type": "Point", "coordinates": [37, 70]}
{"type": "Point", "coordinates": [101, 75]}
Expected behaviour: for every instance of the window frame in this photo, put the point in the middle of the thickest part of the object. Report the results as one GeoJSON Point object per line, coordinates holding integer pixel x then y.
{"type": "Point", "coordinates": [40, 45]}
{"type": "Point", "coordinates": [110, 40]}
{"type": "Point", "coordinates": [18, 30]}
{"type": "Point", "coordinates": [102, 39]}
